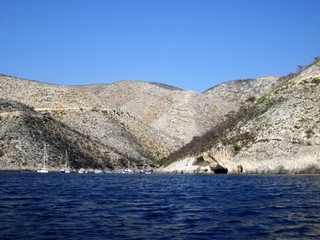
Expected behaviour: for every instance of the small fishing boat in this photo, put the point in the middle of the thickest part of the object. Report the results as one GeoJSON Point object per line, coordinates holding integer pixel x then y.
{"type": "Point", "coordinates": [44, 169]}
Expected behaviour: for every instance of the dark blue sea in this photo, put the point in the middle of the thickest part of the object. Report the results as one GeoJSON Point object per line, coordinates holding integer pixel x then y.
{"type": "Point", "coordinates": [119, 206]}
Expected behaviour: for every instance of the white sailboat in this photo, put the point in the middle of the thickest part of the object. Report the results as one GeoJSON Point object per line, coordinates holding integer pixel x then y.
{"type": "Point", "coordinates": [128, 169]}
{"type": "Point", "coordinates": [66, 169]}
{"type": "Point", "coordinates": [45, 159]}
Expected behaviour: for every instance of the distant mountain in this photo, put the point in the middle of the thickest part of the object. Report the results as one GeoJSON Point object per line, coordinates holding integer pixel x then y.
{"type": "Point", "coordinates": [277, 132]}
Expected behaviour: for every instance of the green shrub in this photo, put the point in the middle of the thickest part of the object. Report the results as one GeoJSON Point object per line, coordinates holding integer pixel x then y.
{"type": "Point", "coordinates": [236, 147]}
{"type": "Point", "coordinates": [316, 80]}
{"type": "Point", "coordinates": [309, 132]}
{"type": "Point", "coordinates": [251, 99]}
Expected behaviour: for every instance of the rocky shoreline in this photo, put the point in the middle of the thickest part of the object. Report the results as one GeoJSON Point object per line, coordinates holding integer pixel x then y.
{"type": "Point", "coordinates": [187, 166]}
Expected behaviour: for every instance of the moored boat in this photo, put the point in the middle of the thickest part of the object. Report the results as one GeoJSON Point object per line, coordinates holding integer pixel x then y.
{"type": "Point", "coordinates": [66, 168]}
{"type": "Point", "coordinates": [44, 169]}
{"type": "Point", "coordinates": [145, 171]}
{"type": "Point", "coordinates": [127, 170]}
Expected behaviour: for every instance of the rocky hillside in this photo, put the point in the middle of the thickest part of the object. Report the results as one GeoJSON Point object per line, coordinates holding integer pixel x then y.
{"type": "Point", "coordinates": [105, 125]}
{"type": "Point", "coordinates": [277, 133]}
{"type": "Point", "coordinates": [166, 109]}
{"type": "Point", "coordinates": [23, 133]}
{"type": "Point", "coordinates": [229, 96]}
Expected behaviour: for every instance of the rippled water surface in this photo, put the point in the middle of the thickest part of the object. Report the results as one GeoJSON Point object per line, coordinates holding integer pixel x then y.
{"type": "Point", "coordinates": [116, 206]}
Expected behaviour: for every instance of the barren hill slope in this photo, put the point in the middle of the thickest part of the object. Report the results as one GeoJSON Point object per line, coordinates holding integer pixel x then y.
{"type": "Point", "coordinates": [278, 133]}
{"type": "Point", "coordinates": [180, 114]}
{"type": "Point", "coordinates": [229, 96]}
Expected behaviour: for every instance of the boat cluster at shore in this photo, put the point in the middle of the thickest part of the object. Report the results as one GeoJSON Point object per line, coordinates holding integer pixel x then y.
{"type": "Point", "coordinates": [66, 168]}
{"type": "Point", "coordinates": [91, 171]}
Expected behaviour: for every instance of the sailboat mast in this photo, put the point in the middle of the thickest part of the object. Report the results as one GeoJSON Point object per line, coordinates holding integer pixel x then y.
{"type": "Point", "coordinates": [44, 155]}
{"type": "Point", "coordinates": [66, 159]}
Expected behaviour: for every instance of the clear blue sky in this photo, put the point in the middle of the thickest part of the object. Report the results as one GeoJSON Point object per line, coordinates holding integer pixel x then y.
{"type": "Point", "coordinates": [191, 44]}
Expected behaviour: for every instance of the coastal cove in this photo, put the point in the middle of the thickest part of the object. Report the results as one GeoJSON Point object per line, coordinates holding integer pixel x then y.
{"type": "Point", "coordinates": [158, 206]}
{"type": "Point", "coordinates": [264, 125]}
